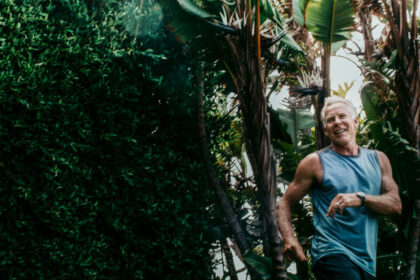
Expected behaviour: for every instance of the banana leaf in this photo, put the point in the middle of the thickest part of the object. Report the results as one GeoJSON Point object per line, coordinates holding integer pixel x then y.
{"type": "Point", "coordinates": [295, 120]}
{"type": "Point", "coordinates": [329, 21]}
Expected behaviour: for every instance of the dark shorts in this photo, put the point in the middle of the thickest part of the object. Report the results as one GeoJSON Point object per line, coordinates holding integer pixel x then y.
{"type": "Point", "coordinates": [339, 267]}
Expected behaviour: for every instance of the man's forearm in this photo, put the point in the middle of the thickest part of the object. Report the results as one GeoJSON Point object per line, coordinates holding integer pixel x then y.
{"type": "Point", "coordinates": [284, 220]}
{"type": "Point", "coordinates": [385, 204]}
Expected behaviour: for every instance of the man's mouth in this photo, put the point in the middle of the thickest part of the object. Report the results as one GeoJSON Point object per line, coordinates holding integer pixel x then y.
{"type": "Point", "coordinates": [339, 131]}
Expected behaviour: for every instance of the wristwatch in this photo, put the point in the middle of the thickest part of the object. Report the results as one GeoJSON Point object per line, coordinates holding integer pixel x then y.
{"type": "Point", "coordinates": [362, 197]}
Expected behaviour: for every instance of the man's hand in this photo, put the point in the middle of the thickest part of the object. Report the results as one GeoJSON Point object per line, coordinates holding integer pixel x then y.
{"type": "Point", "coordinates": [292, 250]}
{"type": "Point", "coordinates": [341, 201]}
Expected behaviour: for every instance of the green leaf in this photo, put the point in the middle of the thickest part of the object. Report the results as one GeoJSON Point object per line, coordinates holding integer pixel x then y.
{"type": "Point", "coordinates": [391, 63]}
{"type": "Point", "coordinates": [329, 21]}
{"type": "Point", "coordinates": [185, 19]}
{"type": "Point", "coordinates": [267, 11]}
{"type": "Point", "coordinates": [296, 120]}
{"type": "Point", "coordinates": [370, 101]}
{"type": "Point", "coordinates": [261, 264]}
{"type": "Point", "coordinates": [299, 7]}
{"type": "Point", "coordinates": [193, 9]}
{"type": "Point", "coordinates": [335, 46]}
{"type": "Point", "coordinates": [291, 43]}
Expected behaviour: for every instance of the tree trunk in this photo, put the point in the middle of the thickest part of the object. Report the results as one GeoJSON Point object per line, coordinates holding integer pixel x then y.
{"type": "Point", "coordinates": [229, 260]}
{"type": "Point", "coordinates": [365, 16]}
{"type": "Point", "coordinates": [321, 139]}
{"type": "Point", "coordinates": [251, 87]}
{"type": "Point", "coordinates": [238, 231]}
{"type": "Point", "coordinates": [256, 127]}
{"type": "Point", "coordinates": [410, 273]}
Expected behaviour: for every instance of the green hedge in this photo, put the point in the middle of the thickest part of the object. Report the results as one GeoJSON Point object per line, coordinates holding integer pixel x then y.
{"type": "Point", "coordinates": [99, 169]}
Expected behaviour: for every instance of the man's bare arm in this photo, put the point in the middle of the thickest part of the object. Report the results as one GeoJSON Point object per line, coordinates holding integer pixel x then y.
{"type": "Point", "coordinates": [304, 178]}
{"type": "Point", "coordinates": [388, 203]}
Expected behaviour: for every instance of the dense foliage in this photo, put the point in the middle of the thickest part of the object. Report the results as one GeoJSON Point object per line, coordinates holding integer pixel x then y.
{"type": "Point", "coordinates": [100, 174]}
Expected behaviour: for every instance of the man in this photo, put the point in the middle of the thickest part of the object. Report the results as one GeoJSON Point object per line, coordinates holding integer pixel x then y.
{"type": "Point", "coordinates": [350, 186]}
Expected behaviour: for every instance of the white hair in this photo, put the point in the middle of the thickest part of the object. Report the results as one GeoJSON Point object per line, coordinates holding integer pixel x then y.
{"type": "Point", "coordinates": [329, 101]}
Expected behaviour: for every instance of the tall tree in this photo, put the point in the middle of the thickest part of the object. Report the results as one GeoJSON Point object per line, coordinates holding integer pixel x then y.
{"type": "Point", "coordinates": [223, 199]}
{"type": "Point", "coordinates": [240, 40]}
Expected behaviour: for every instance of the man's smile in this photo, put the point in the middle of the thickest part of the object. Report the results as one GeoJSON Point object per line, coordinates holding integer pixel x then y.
{"type": "Point", "coordinates": [340, 131]}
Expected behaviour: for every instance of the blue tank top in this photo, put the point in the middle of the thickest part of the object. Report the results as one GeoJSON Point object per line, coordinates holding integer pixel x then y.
{"type": "Point", "coordinates": [354, 233]}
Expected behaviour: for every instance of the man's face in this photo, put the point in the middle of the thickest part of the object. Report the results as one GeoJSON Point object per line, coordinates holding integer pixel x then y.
{"type": "Point", "coordinates": [340, 127]}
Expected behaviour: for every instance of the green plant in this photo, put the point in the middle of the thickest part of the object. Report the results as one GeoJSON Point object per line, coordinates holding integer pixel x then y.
{"type": "Point", "coordinates": [100, 175]}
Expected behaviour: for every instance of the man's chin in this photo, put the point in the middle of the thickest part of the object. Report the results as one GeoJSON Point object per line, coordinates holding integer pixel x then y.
{"type": "Point", "coordinates": [341, 141]}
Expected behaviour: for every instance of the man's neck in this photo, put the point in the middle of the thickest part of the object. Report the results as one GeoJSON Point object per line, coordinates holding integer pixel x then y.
{"type": "Point", "coordinates": [348, 150]}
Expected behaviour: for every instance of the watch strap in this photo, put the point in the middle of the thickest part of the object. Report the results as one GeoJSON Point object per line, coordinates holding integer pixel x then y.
{"type": "Point", "coordinates": [362, 197]}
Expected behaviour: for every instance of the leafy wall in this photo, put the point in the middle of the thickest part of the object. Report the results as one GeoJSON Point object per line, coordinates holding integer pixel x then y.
{"type": "Point", "coordinates": [99, 170]}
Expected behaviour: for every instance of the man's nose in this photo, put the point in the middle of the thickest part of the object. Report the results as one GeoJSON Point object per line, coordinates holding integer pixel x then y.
{"type": "Point", "coordinates": [337, 121]}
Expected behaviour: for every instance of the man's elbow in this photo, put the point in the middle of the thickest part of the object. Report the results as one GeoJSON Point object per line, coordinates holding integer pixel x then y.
{"type": "Point", "coordinates": [398, 208]}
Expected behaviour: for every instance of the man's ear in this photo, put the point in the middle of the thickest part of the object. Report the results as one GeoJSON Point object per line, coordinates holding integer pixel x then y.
{"type": "Point", "coordinates": [325, 130]}
{"type": "Point", "coordinates": [356, 122]}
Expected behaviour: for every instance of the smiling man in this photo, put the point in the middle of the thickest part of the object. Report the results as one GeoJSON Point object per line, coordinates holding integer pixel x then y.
{"type": "Point", "coordinates": [350, 187]}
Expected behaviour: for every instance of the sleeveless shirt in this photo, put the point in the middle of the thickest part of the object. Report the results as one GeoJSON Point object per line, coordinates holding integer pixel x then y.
{"type": "Point", "coordinates": [354, 233]}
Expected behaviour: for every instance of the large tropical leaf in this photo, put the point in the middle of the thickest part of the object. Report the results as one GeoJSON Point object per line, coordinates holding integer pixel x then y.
{"type": "Point", "coordinates": [370, 101]}
{"type": "Point", "coordinates": [269, 12]}
{"type": "Point", "coordinates": [193, 9]}
{"type": "Point", "coordinates": [299, 7]}
{"type": "Point", "coordinates": [188, 21]}
{"type": "Point", "coordinates": [329, 21]}
{"type": "Point", "coordinates": [184, 24]}
{"type": "Point", "coordinates": [289, 41]}
{"type": "Point", "coordinates": [295, 119]}
{"type": "Point", "coordinates": [261, 264]}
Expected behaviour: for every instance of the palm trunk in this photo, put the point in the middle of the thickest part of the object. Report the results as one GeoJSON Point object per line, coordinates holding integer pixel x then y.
{"type": "Point", "coordinates": [256, 130]}
{"type": "Point", "coordinates": [410, 273]}
{"type": "Point", "coordinates": [261, 157]}
{"type": "Point", "coordinates": [248, 78]}
{"type": "Point", "coordinates": [250, 85]}
{"type": "Point", "coordinates": [322, 140]}
{"type": "Point", "coordinates": [238, 232]}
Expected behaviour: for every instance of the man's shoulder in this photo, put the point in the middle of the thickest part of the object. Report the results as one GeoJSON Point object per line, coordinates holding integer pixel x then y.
{"type": "Point", "coordinates": [382, 158]}
{"type": "Point", "coordinates": [310, 167]}
{"type": "Point", "coordinates": [311, 161]}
